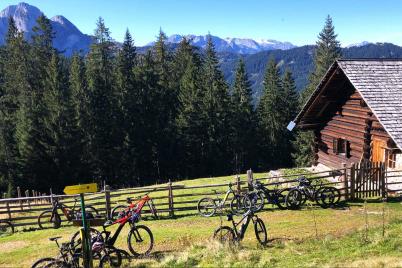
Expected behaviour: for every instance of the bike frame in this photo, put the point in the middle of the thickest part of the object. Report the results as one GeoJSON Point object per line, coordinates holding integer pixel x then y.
{"type": "Point", "coordinates": [122, 221]}
{"type": "Point", "coordinates": [249, 216]}
{"type": "Point", "coordinates": [221, 202]}
{"type": "Point", "coordinates": [67, 211]}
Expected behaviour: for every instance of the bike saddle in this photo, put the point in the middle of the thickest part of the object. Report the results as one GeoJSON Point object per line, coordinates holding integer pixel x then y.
{"type": "Point", "coordinates": [54, 238]}
{"type": "Point", "coordinates": [230, 217]}
{"type": "Point", "coordinates": [129, 200]}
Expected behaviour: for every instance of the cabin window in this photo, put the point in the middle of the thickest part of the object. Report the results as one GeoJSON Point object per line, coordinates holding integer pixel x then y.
{"type": "Point", "coordinates": [391, 161]}
{"type": "Point", "coordinates": [341, 147]}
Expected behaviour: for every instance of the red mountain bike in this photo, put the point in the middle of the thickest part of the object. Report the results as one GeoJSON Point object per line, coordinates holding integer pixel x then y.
{"type": "Point", "coordinates": [140, 239]}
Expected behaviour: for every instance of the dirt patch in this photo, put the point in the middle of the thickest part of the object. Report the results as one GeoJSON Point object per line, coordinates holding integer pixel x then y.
{"type": "Point", "coordinates": [12, 246]}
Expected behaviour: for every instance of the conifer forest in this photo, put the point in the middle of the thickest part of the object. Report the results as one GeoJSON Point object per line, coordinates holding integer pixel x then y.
{"type": "Point", "coordinates": [131, 118]}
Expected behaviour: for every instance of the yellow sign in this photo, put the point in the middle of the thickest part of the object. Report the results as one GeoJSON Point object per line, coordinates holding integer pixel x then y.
{"type": "Point", "coordinates": [81, 188]}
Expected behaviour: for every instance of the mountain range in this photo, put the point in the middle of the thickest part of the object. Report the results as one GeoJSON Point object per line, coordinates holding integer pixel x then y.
{"type": "Point", "coordinates": [68, 39]}
{"type": "Point", "coordinates": [256, 53]}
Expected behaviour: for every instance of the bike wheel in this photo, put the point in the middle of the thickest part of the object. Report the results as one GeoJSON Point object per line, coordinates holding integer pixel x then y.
{"type": "Point", "coordinates": [112, 258]}
{"type": "Point", "coordinates": [294, 199]}
{"type": "Point", "coordinates": [280, 198]}
{"type": "Point", "coordinates": [116, 210]}
{"type": "Point", "coordinates": [76, 238]}
{"type": "Point", "coordinates": [44, 262]}
{"type": "Point", "coordinates": [48, 219]}
{"type": "Point", "coordinates": [328, 196]}
{"type": "Point", "coordinates": [140, 241]}
{"type": "Point", "coordinates": [240, 204]}
{"type": "Point", "coordinates": [260, 232]}
{"type": "Point", "coordinates": [6, 228]}
{"type": "Point", "coordinates": [257, 201]}
{"type": "Point", "coordinates": [224, 234]}
{"type": "Point", "coordinates": [90, 209]}
{"type": "Point", "coordinates": [206, 207]}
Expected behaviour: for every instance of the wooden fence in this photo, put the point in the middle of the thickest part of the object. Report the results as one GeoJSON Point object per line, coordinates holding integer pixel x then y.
{"type": "Point", "coordinates": [176, 199]}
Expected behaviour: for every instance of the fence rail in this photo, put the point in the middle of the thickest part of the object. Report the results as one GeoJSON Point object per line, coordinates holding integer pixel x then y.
{"type": "Point", "coordinates": [173, 199]}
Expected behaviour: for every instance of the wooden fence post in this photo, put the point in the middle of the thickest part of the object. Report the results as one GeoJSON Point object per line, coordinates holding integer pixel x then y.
{"type": "Point", "coordinates": [170, 193]}
{"type": "Point", "coordinates": [383, 180]}
{"type": "Point", "coordinates": [238, 184]}
{"type": "Point", "coordinates": [250, 179]}
{"type": "Point", "coordinates": [27, 195]}
{"type": "Point", "coordinates": [352, 181]}
{"type": "Point", "coordinates": [51, 197]}
{"type": "Point", "coordinates": [345, 181]}
{"type": "Point", "coordinates": [107, 202]}
{"type": "Point", "coordinates": [8, 211]}
{"type": "Point", "coordinates": [19, 196]}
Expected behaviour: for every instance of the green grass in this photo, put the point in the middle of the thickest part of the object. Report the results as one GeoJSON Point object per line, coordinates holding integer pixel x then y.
{"type": "Point", "coordinates": [186, 241]}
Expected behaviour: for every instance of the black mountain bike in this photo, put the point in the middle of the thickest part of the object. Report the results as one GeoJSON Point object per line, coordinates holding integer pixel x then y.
{"type": "Point", "coordinates": [69, 256]}
{"type": "Point", "coordinates": [6, 228]}
{"type": "Point", "coordinates": [262, 195]}
{"type": "Point", "coordinates": [324, 196]}
{"type": "Point", "coordinates": [239, 203]}
{"type": "Point", "coordinates": [232, 234]}
{"type": "Point", "coordinates": [51, 218]}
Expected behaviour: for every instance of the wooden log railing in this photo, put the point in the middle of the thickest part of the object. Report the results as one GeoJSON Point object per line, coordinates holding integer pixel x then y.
{"type": "Point", "coordinates": [173, 199]}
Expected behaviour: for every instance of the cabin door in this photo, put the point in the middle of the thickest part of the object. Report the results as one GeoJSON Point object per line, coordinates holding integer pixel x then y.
{"type": "Point", "coordinates": [378, 150]}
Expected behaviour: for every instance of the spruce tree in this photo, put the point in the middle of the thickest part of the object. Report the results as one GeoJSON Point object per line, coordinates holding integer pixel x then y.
{"type": "Point", "coordinates": [218, 115]}
{"type": "Point", "coordinates": [270, 118]}
{"type": "Point", "coordinates": [130, 102]}
{"type": "Point", "coordinates": [243, 119]}
{"type": "Point", "coordinates": [190, 120]}
{"type": "Point", "coordinates": [105, 110]}
{"type": "Point", "coordinates": [327, 51]}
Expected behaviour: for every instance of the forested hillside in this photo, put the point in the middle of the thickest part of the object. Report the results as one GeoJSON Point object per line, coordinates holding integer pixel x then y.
{"type": "Point", "coordinates": [298, 60]}
{"type": "Point", "coordinates": [132, 118]}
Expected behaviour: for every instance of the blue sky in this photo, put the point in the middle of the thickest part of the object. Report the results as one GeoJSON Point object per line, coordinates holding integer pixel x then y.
{"type": "Point", "coordinates": [296, 21]}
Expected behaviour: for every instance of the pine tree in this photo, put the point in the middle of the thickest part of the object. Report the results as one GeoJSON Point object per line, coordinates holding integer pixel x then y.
{"type": "Point", "coordinates": [327, 51]}
{"type": "Point", "coordinates": [243, 119]}
{"type": "Point", "coordinates": [289, 111]}
{"type": "Point", "coordinates": [270, 118]}
{"type": "Point", "coordinates": [217, 109]}
{"type": "Point", "coordinates": [190, 120]}
{"type": "Point", "coordinates": [105, 110]}
{"type": "Point", "coordinates": [130, 102]}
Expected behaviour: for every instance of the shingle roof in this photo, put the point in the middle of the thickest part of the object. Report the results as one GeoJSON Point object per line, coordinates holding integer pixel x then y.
{"type": "Point", "coordinates": [379, 82]}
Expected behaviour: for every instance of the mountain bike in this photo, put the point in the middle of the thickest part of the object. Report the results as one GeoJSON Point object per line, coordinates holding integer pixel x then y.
{"type": "Point", "coordinates": [116, 210]}
{"type": "Point", "coordinates": [261, 193]}
{"type": "Point", "coordinates": [6, 228]}
{"type": "Point", "coordinates": [305, 190]}
{"type": "Point", "coordinates": [140, 239]}
{"type": "Point", "coordinates": [233, 234]}
{"type": "Point", "coordinates": [240, 203]}
{"type": "Point", "coordinates": [68, 256]}
{"type": "Point", "coordinates": [51, 218]}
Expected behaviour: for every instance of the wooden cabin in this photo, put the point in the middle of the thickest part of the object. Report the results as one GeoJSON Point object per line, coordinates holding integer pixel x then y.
{"type": "Point", "coordinates": [356, 113]}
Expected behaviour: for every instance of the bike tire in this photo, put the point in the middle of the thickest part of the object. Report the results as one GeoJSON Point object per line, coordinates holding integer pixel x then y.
{"type": "Point", "coordinates": [116, 210]}
{"type": "Point", "coordinates": [257, 200]}
{"type": "Point", "coordinates": [280, 198]}
{"type": "Point", "coordinates": [206, 207]}
{"type": "Point", "coordinates": [139, 238]}
{"type": "Point", "coordinates": [240, 204]}
{"type": "Point", "coordinates": [294, 199]}
{"type": "Point", "coordinates": [90, 209]}
{"type": "Point", "coordinates": [46, 217]}
{"type": "Point", "coordinates": [6, 228]}
{"type": "Point", "coordinates": [224, 234]}
{"type": "Point", "coordinates": [329, 196]}
{"type": "Point", "coordinates": [112, 258]}
{"type": "Point", "coordinates": [260, 232]}
{"type": "Point", "coordinates": [76, 238]}
{"type": "Point", "coordinates": [43, 262]}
